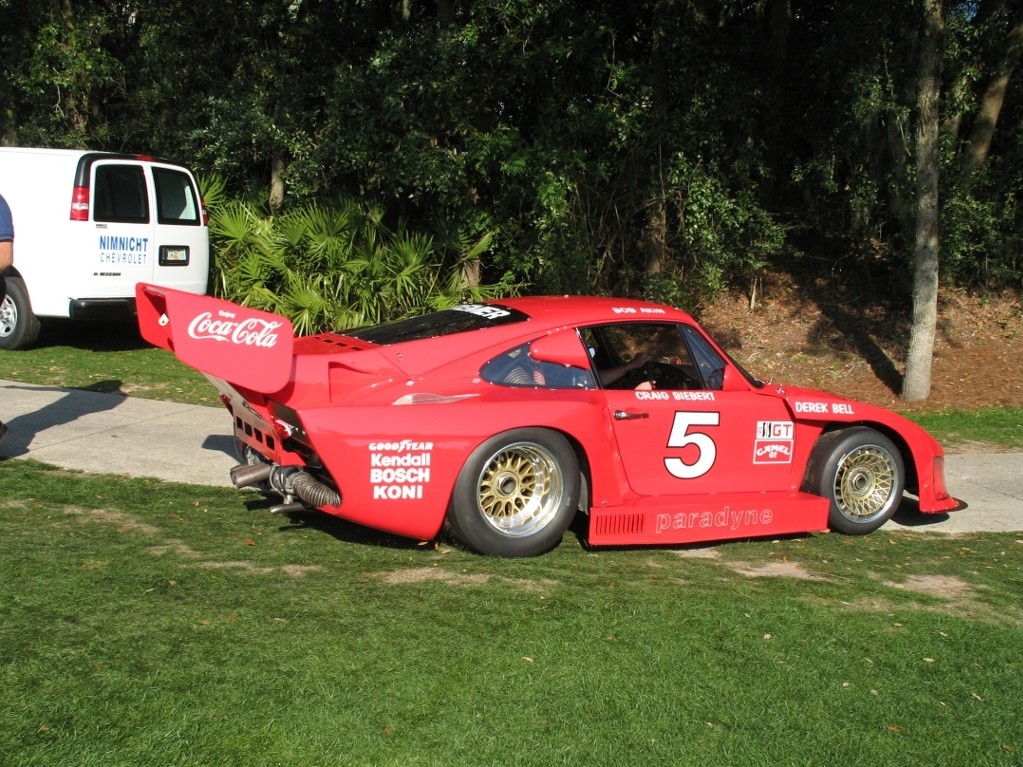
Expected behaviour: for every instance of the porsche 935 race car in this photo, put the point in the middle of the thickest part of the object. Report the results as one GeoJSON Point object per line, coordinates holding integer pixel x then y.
{"type": "Point", "coordinates": [499, 422]}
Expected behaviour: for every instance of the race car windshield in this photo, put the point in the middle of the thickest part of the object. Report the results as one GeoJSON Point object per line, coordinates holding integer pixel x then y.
{"type": "Point", "coordinates": [458, 319]}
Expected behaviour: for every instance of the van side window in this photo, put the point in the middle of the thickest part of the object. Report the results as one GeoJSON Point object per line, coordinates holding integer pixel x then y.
{"type": "Point", "coordinates": [121, 194]}
{"type": "Point", "coordinates": [175, 198]}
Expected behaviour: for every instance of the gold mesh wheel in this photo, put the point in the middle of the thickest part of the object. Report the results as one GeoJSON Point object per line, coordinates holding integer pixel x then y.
{"type": "Point", "coordinates": [865, 483]}
{"type": "Point", "coordinates": [521, 489]}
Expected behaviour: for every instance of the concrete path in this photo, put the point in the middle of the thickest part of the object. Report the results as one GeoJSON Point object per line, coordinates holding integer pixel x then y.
{"type": "Point", "coordinates": [109, 433]}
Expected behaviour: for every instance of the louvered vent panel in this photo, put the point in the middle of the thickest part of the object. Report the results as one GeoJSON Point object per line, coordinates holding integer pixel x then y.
{"type": "Point", "coordinates": [619, 524]}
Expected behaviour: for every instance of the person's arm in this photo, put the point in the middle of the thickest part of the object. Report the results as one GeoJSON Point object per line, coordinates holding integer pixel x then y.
{"type": "Point", "coordinates": [610, 375]}
{"type": "Point", "coordinates": [6, 254]}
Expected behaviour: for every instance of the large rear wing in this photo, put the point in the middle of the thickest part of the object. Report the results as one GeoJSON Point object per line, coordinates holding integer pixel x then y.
{"type": "Point", "coordinates": [246, 347]}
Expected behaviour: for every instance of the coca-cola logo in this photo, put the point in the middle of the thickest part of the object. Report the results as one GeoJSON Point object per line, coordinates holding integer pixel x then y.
{"type": "Point", "coordinates": [250, 331]}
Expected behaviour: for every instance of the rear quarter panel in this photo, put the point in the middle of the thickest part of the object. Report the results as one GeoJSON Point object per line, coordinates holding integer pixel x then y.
{"type": "Point", "coordinates": [397, 465]}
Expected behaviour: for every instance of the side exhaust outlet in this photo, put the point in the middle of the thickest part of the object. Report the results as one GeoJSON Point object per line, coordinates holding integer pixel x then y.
{"type": "Point", "coordinates": [247, 474]}
{"type": "Point", "coordinates": [291, 482]}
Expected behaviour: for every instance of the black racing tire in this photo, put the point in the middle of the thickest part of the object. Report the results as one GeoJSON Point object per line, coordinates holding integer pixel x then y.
{"type": "Point", "coordinates": [19, 328]}
{"type": "Point", "coordinates": [861, 473]}
{"type": "Point", "coordinates": [516, 494]}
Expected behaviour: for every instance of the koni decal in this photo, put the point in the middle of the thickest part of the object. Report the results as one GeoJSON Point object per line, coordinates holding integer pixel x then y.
{"type": "Point", "coordinates": [399, 470]}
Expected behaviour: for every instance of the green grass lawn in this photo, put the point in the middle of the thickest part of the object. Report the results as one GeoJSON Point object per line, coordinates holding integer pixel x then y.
{"type": "Point", "coordinates": [144, 623]}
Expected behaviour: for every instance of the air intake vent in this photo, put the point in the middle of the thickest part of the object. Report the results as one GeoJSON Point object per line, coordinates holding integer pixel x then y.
{"type": "Point", "coordinates": [611, 525]}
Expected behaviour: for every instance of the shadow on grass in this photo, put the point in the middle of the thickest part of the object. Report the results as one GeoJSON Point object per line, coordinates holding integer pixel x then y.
{"type": "Point", "coordinates": [907, 515]}
{"type": "Point", "coordinates": [339, 529]}
{"type": "Point", "coordinates": [351, 532]}
{"type": "Point", "coordinates": [97, 336]}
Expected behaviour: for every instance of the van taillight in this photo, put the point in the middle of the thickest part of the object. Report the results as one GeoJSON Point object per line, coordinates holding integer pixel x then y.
{"type": "Point", "coordinates": [80, 204]}
{"type": "Point", "coordinates": [205, 213]}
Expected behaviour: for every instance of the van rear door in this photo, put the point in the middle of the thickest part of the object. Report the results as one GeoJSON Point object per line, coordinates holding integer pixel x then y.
{"type": "Point", "coordinates": [121, 210]}
{"type": "Point", "coordinates": [181, 236]}
{"type": "Point", "coordinates": [149, 227]}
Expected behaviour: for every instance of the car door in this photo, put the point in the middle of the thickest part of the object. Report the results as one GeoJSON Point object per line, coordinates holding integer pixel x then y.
{"type": "Point", "coordinates": [678, 430]}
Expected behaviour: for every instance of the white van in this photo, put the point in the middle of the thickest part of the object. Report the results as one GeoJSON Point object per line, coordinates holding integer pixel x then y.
{"type": "Point", "coordinates": [88, 226]}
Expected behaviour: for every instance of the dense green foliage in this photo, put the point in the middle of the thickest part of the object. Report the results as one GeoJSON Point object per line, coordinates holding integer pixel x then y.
{"type": "Point", "coordinates": [338, 266]}
{"type": "Point", "coordinates": [660, 147]}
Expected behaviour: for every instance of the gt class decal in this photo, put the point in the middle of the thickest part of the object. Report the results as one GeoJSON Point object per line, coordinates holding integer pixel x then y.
{"type": "Point", "coordinates": [773, 443]}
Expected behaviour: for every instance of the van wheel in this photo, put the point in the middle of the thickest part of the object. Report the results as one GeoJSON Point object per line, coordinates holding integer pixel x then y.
{"type": "Point", "coordinates": [19, 328]}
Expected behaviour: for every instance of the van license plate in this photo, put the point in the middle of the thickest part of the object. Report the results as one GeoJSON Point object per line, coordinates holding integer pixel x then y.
{"type": "Point", "coordinates": [173, 255]}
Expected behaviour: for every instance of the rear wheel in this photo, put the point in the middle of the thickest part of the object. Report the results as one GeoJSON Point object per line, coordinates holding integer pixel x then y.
{"type": "Point", "coordinates": [19, 328]}
{"type": "Point", "coordinates": [860, 471]}
{"type": "Point", "coordinates": [516, 495]}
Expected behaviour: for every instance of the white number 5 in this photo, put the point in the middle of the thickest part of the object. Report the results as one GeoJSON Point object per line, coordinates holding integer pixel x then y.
{"type": "Point", "coordinates": [680, 437]}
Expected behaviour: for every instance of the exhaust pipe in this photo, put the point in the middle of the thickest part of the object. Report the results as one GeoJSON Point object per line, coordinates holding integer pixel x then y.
{"type": "Point", "coordinates": [290, 482]}
{"type": "Point", "coordinates": [247, 474]}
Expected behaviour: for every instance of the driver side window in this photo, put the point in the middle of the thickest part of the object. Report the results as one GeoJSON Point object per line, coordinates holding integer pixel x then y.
{"type": "Point", "coordinates": [647, 355]}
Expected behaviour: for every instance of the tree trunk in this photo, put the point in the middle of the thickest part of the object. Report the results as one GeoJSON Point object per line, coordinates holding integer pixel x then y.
{"type": "Point", "coordinates": [992, 100]}
{"type": "Point", "coordinates": [917, 382]}
{"type": "Point", "coordinates": [277, 182]}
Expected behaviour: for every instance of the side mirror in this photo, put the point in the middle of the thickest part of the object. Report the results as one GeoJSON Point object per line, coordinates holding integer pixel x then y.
{"type": "Point", "coordinates": [563, 347]}
{"type": "Point", "coordinates": [732, 380]}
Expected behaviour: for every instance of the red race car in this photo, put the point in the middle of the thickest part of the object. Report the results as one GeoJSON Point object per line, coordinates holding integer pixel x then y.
{"type": "Point", "coordinates": [499, 421]}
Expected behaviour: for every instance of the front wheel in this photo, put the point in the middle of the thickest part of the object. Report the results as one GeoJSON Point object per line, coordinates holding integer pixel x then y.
{"type": "Point", "coordinates": [861, 473]}
{"type": "Point", "coordinates": [19, 328]}
{"type": "Point", "coordinates": [516, 495]}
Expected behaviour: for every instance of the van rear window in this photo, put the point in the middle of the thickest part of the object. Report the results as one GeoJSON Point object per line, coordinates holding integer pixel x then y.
{"type": "Point", "coordinates": [175, 198]}
{"type": "Point", "coordinates": [121, 194]}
